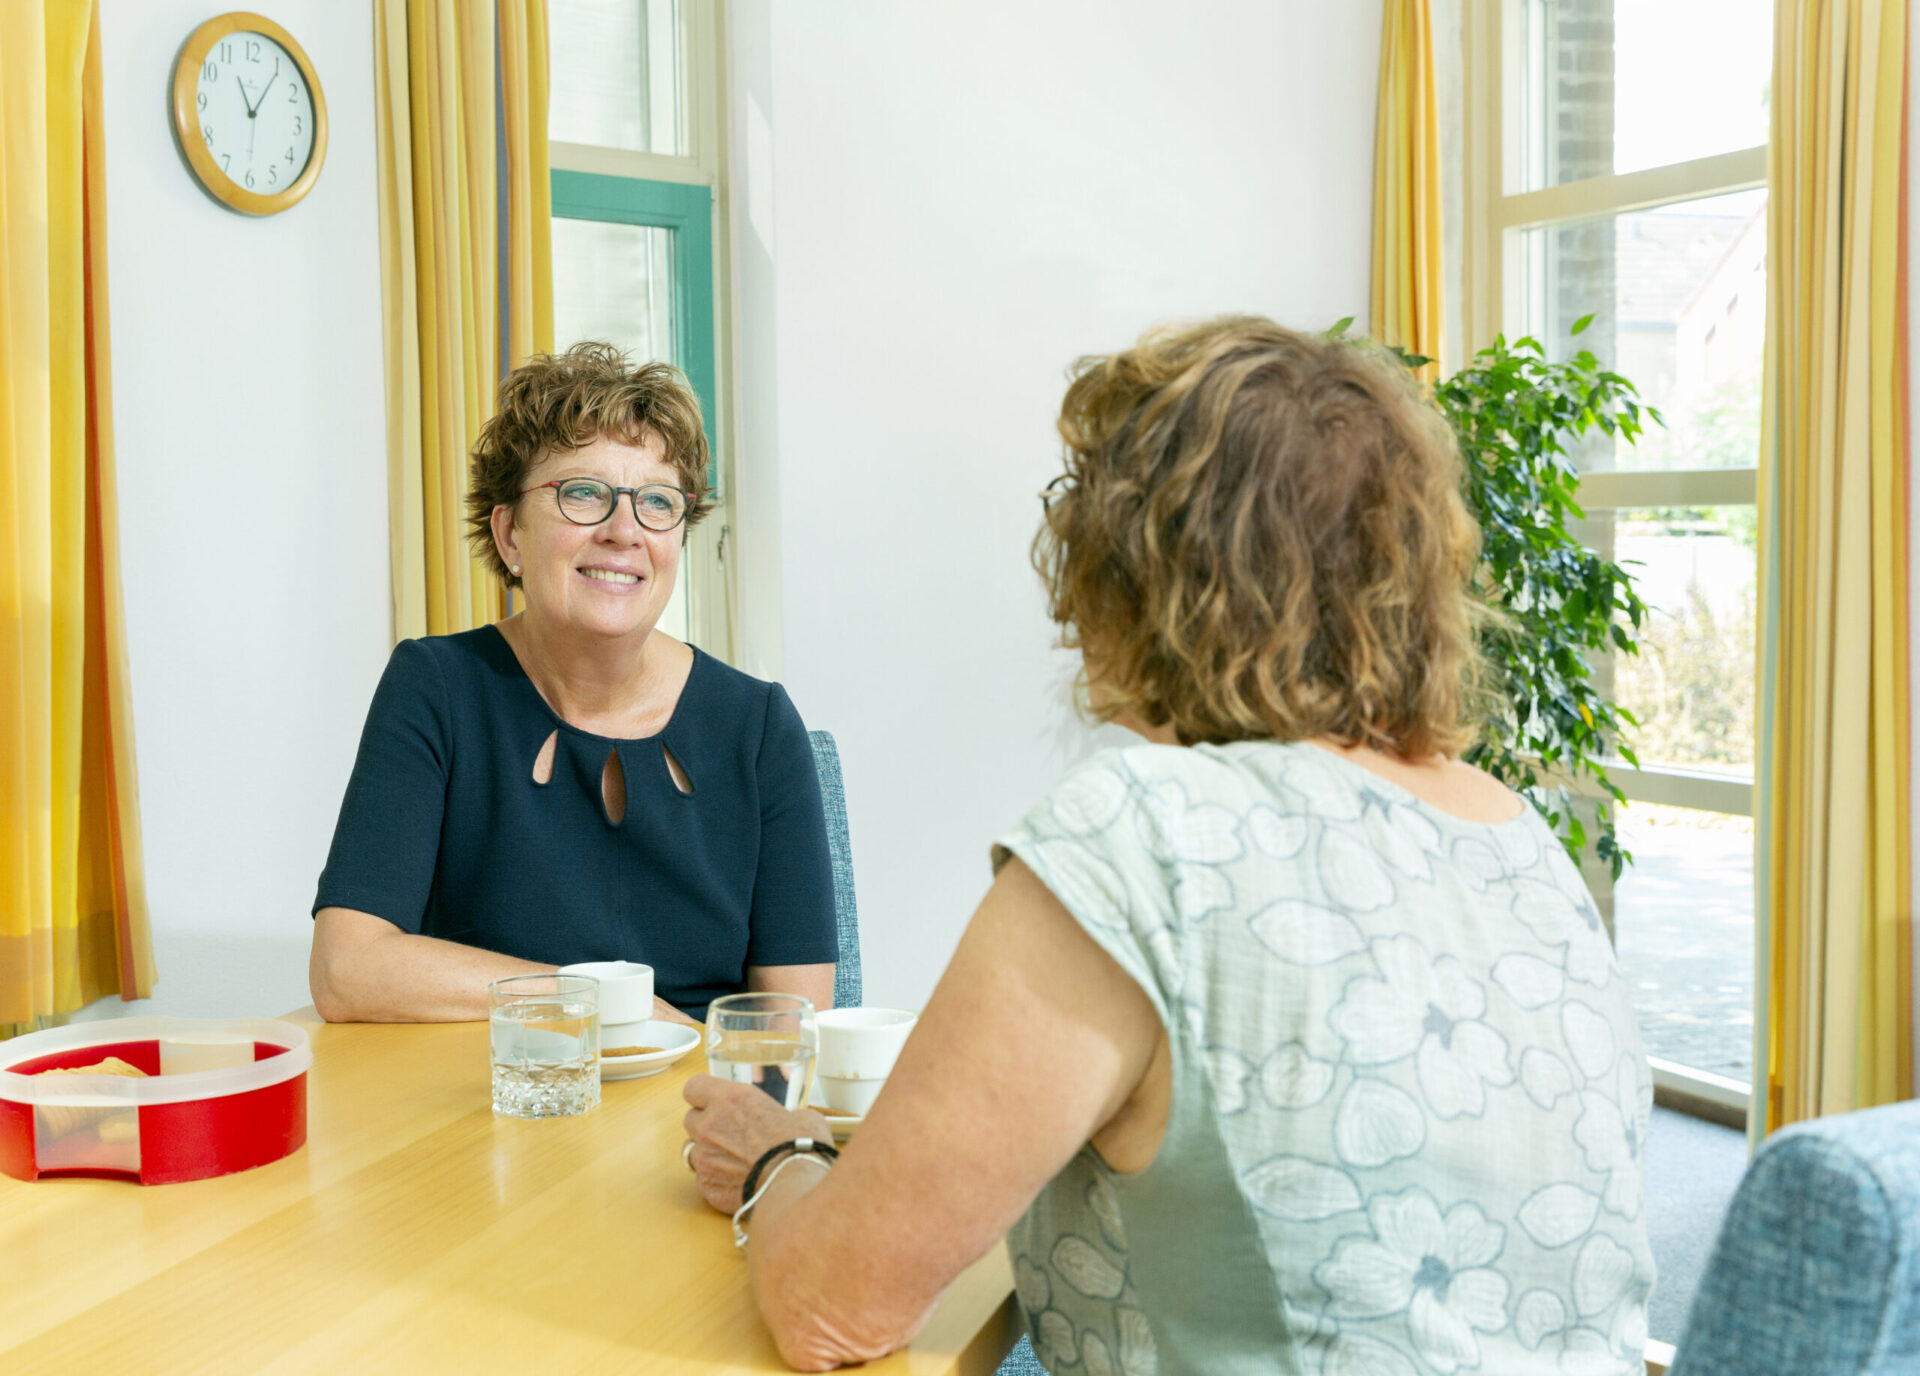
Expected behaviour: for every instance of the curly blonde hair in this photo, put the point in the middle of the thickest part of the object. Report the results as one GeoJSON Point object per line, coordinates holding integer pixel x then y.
{"type": "Point", "coordinates": [1262, 536]}
{"type": "Point", "coordinates": [557, 402]}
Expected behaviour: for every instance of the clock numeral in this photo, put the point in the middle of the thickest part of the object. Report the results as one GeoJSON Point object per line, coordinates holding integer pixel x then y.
{"type": "Point", "coordinates": [273, 175]}
{"type": "Point", "coordinates": [253, 51]}
{"type": "Point", "coordinates": [206, 132]}
{"type": "Point", "coordinates": [296, 121]}
{"type": "Point", "coordinates": [249, 180]}
{"type": "Point", "coordinates": [289, 155]}
{"type": "Point", "coordinates": [226, 162]}
{"type": "Point", "coordinates": [293, 94]}
{"type": "Point", "coordinates": [203, 100]}
{"type": "Point", "coordinates": [226, 52]}
{"type": "Point", "coordinates": [210, 72]}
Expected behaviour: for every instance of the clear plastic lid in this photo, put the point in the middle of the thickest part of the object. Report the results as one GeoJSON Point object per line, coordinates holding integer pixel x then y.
{"type": "Point", "coordinates": [200, 1058]}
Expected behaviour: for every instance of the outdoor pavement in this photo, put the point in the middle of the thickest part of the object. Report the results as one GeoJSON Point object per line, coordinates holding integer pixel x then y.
{"type": "Point", "coordinates": [1683, 921]}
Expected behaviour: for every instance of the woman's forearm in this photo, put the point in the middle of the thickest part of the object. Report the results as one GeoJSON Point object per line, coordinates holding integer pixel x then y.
{"type": "Point", "coordinates": [798, 1274]}
{"type": "Point", "coordinates": [848, 1267]}
{"type": "Point", "coordinates": [360, 973]}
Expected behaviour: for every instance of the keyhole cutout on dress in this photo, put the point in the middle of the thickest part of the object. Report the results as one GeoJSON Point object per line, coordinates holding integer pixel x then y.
{"type": "Point", "coordinates": [543, 762]}
{"type": "Point", "coordinates": [679, 775]}
{"type": "Point", "coordinates": [613, 789]}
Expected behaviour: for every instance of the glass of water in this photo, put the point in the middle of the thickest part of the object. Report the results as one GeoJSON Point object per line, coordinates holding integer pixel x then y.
{"type": "Point", "coordinates": [768, 1040]}
{"type": "Point", "coordinates": [545, 1039]}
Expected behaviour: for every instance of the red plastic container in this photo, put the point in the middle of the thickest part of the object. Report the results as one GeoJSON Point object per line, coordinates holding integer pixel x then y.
{"type": "Point", "coordinates": [223, 1096]}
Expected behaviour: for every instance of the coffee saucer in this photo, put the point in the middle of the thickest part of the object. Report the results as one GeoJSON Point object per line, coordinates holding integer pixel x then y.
{"type": "Point", "coordinates": [842, 1124]}
{"type": "Point", "coordinates": [674, 1040]}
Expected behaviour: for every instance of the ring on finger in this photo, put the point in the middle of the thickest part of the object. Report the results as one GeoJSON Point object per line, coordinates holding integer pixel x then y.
{"type": "Point", "coordinates": [686, 1153]}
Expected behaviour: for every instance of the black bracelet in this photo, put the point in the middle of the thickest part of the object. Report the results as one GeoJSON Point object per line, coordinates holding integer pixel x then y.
{"type": "Point", "coordinates": [774, 1153]}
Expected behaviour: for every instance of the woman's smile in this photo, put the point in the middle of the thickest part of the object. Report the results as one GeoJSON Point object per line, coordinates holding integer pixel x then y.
{"type": "Point", "coordinates": [619, 582]}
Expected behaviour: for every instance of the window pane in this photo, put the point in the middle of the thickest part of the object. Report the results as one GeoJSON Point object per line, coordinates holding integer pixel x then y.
{"type": "Point", "coordinates": [614, 283]}
{"type": "Point", "coordinates": [1620, 85]}
{"type": "Point", "coordinates": [1678, 297]}
{"type": "Point", "coordinates": [1683, 915]}
{"type": "Point", "coordinates": [615, 70]}
{"type": "Point", "coordinates": [1691, 685]}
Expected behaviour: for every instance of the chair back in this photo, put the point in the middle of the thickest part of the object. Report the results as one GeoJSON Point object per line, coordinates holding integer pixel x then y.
{"type": "Point", "coordinates": [833, 795]}
{"type": "Point", "coordinates": [1817, 1267]}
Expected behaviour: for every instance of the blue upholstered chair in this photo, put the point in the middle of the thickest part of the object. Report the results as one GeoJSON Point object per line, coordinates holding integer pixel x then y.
{"type": "Point", "coordinates": [846, 979]}
{"type": "Point", "coordinates": [1817, 1268]}
{"type": "Point", "coordinates": [833, 793]}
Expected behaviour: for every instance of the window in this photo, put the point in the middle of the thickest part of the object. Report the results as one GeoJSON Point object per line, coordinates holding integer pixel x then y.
{"type": "Point", "coordinates": [635, 141]}
{"type": "Point", "coordinates": [1617, 167]}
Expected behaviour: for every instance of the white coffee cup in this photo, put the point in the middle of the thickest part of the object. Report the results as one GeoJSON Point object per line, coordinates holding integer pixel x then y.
{"type": "Point", "coordinates": [858, 1047]}
{"type": "Point", "coordinates": [626, 988]}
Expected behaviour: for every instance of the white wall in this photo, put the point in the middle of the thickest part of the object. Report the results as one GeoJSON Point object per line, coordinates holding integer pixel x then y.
{"type": "Point", "coordinates": [251, 437]}
{"type": "Point", "coordinates": [950, 203]}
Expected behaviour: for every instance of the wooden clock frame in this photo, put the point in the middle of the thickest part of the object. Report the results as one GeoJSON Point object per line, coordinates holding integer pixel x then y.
{"type": "Point", "coordinates": [186, 116]}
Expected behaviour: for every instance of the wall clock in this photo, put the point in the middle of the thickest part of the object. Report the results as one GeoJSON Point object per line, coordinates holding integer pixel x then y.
{"type": "Point", "coordinates": [249, 113]}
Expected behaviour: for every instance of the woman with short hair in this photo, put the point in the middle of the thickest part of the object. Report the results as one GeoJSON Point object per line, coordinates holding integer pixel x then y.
{"type": "Point", "coordinates": [1284, 1041]}
{"type": "Point", "coordinates": [572, 783]}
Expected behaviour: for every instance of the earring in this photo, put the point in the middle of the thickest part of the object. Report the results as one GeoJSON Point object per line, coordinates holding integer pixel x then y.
{"type": "Point", "coordinates": [515, 570]}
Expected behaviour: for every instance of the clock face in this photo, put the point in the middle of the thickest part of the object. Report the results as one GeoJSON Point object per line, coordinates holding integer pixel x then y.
{"type": "Point", "coordinates": [255, 112]}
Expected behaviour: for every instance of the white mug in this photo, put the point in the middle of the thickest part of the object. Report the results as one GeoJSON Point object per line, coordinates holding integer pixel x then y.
{"type": "Point", "coordinates": [858, 1047]}
{"type": "Point", "coordinates": [626, 988]}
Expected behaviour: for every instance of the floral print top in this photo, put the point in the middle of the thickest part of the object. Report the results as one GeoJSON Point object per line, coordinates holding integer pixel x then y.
{"type": "Point", "coordinates": [1409, 1098]}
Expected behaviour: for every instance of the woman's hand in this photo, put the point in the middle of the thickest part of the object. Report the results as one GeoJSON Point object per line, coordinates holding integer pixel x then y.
{"type": "Point", "coordinates": [666, 1012]}
{"type": "Point", "coordinates": [732, 1126]}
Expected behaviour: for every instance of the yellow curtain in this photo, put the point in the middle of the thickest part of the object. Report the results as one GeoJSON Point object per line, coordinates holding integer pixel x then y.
{"type": "Point", "coordinates": [1406, 188]}
{"type": "Point", "coordinates": [1835, 913]}
{"type": "Point", "coordinates": [529, 192]}
{"type": "Point", "coordinates": [73, 920]}
{"type": "Point", "coordinates": [461, 121]}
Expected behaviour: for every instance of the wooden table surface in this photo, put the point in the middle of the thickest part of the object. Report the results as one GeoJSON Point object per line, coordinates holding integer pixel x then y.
{"type": "Point", "coordinates": [418, 1232]}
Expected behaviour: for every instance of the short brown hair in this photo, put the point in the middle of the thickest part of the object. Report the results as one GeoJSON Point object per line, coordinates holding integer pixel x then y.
{"type": "Point", "coordinates": [556, 402]}
{"type": "Point", "coordinates": [1264, 536]}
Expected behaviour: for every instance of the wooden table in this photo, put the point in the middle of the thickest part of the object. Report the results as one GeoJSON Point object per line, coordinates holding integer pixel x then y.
{"type": "Point", "coordinates": [418, 1232]}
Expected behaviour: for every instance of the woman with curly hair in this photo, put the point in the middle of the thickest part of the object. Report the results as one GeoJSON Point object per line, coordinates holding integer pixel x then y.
{"type": "Point", "coordinates": [573, 783]}
{"type": "Point", "coordinates": [1284, 1040]}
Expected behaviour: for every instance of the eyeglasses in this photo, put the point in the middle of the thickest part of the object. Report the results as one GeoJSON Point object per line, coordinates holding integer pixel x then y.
{"type": "Point", "coordinates": [588, 502]}
{"type": "Point", "coordinates": [1056, 488]}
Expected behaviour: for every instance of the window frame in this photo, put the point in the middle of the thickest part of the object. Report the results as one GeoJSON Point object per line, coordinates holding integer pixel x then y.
{"type": "Point", "coordinates": [1497, 212]}
{"type": "Point", "coordinates": [688, 194]}
{"type": "Point", "coordinates": [685, 208]}
{"type": "Point", "coordinates": [1496, 215]}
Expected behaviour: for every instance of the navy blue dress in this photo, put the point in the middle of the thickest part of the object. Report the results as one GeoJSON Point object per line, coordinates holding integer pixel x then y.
{"type": "Point", "coordinates": [444, 831]}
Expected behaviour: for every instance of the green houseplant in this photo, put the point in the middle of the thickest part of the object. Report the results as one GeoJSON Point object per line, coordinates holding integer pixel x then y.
{"type": "Point", "coordinates": [1518, 417]}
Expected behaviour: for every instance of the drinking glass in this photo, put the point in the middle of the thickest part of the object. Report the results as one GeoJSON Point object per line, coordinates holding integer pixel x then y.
{"type": "Point", "coordinates": [544, 1032]}
{"type": "Point", "coordinates": [769, 1040]}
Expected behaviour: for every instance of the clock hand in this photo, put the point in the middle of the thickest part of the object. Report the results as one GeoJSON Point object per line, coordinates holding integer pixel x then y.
{"type": "Point", "coordinates": [253, 115]}
{"type": "Point", "coordinates": [243, 94]}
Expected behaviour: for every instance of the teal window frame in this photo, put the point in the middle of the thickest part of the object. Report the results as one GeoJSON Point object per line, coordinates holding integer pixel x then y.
{"type": "Point", "coordinates": [687, 210]}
